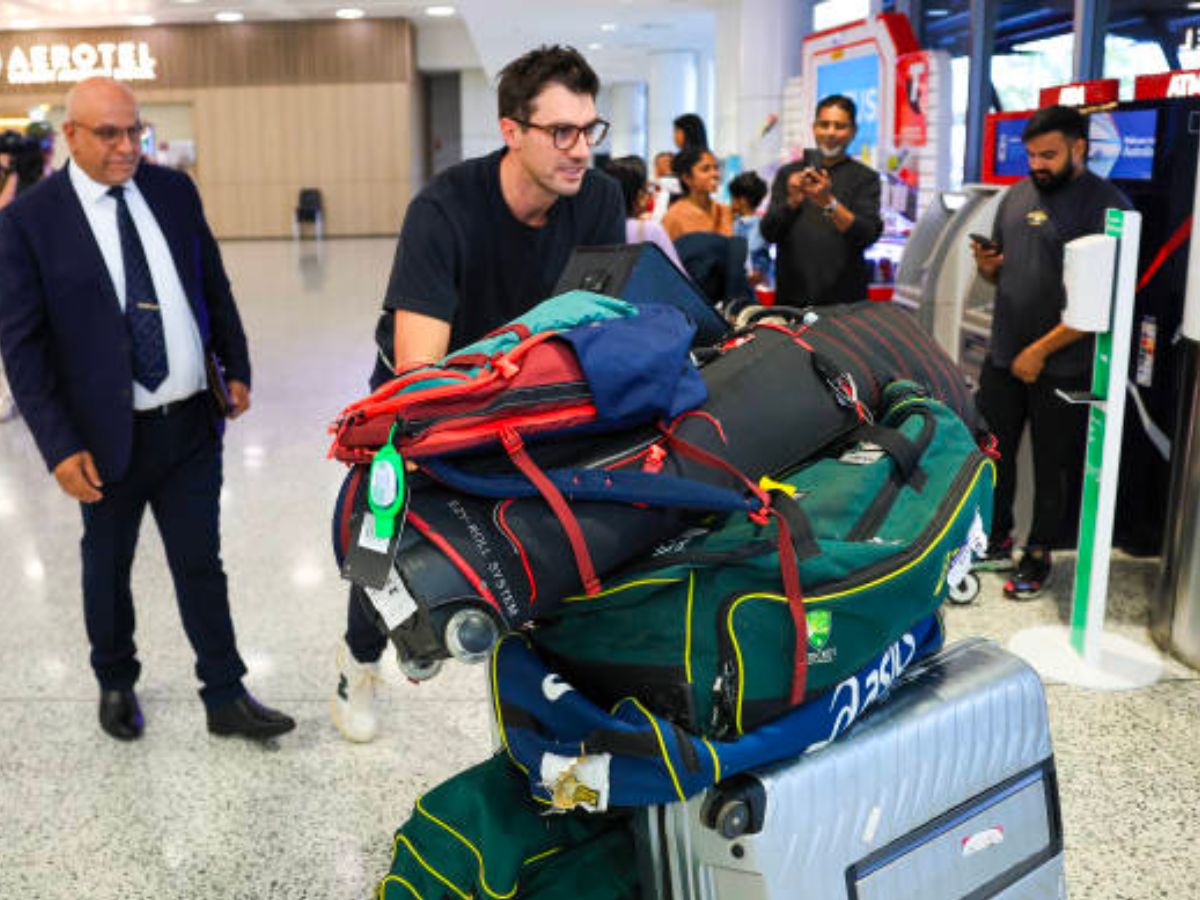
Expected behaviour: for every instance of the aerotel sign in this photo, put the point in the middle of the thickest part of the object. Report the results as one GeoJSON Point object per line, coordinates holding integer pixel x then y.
{"type": "Point", "coordinates": [54, 63]}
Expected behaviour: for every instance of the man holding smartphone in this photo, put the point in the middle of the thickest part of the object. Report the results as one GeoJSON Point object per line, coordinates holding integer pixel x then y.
{"type": "Point", "coordinates": [824, 213]}
{"type": "Point", "coordinates": [1032, 353]}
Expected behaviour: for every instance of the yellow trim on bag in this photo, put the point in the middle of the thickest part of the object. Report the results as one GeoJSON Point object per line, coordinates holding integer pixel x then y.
{"type": "Point", "coordinates": [579, 598]}
{"type": "Point", "coordinates": [427, 867]}
{"type": "Point", "coordinates": [496, 705]}
{"type": "Point", "coordinates": [474, 850]}
{"type": "Point", "coordinates": [687, 646]}
{"type": "Point", "coordinates": [780, 598]}
{"type": "Point", "coordinates": [716, 760]}
{"type": "Point", "coordinates": [541, 856]}
{"type": "Point", "coordinates": [396, 878]}
{"type": "Point", "coordinates": [661, 744]}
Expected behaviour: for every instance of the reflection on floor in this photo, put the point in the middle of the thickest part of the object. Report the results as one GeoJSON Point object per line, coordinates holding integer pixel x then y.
{"type": "Point", "coordinates": [182, 815]}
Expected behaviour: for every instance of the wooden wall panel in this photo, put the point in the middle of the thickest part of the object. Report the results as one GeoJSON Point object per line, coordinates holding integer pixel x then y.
{"type": "Point", "coordinates": [258, 53]}
{"type": "Point", "coordinates": [278, 107]}
{"type": "Point", "coordinates": [324, 136]}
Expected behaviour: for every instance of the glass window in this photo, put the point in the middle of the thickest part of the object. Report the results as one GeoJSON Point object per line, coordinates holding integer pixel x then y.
{"type": "Point", "coordinates": [1019, 75]}
{"type": "Point", "coordinates": [1126, 58]}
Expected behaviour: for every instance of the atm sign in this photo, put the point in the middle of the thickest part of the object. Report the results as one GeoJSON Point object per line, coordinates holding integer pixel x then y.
{"type": "Point", "coordinates": [1168, 85]}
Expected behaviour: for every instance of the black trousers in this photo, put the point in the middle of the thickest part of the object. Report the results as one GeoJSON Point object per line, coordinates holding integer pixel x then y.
{"type": "Point", "coordinates": [176, 470]}
{"type": "Point", "coordinates": [1058, 431]}
{"type": "Point", "coordinates": [363, 636]}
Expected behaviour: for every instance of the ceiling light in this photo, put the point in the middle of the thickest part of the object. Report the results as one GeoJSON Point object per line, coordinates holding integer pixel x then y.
{"type": "Point", "coordinates": [439, 11]}
{"type": "Point", "coordinates": [595, 46]}
{"type": "Point", "coordinates": [937, 13]}
{"type": "Point", "coordinates": [350, 12]}
{"type": "Point", "coordinates": [141, 20]}
{"type": "Point", "coordinates": [229, 16]}
{"type": "Point", "coordinates": [608, 26]}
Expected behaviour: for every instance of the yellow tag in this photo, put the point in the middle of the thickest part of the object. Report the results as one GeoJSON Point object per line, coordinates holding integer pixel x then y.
{"type": "Point", "coordinates": [570, 792]}
{"type": "Point", "coordinates": [769, 484]}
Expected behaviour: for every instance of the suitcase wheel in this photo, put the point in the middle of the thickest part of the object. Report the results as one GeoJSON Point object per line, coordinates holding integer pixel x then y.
{"type": "Point", "coordinates": [966, 590]}
{"type": "Point", "coordinates": [732, 819]}
{"type": "Point", "coordinates": [420, 669]}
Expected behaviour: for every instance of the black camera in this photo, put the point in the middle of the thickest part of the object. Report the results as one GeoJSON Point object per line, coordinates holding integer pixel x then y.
{"type": "Point", "coordinates": [14, 144]}
{"type": "Point", "coordinates": [25, 159]}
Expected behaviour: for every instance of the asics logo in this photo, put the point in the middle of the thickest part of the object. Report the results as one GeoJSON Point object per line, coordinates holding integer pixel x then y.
{"type": "Point", "coordinates": [554, 687]}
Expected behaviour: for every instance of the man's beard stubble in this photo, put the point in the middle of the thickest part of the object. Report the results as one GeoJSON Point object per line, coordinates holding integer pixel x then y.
{"type": "Point", "coordinates": [1048, 183]}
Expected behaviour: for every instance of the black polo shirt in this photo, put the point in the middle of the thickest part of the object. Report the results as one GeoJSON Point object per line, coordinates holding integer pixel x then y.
{"type": "Point", "coordinates": [1031, 227]}
{"type": "Point", "coordinates": [465, 259]}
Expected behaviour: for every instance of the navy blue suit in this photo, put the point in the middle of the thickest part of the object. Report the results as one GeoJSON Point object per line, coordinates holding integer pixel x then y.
{"type": "Point", "coordinates": [66, 349]}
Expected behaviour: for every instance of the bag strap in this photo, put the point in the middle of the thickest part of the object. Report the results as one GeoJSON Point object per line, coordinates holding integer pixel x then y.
{"type": "Point", "coordinates": [905, 452]}
{"type": "Point", "coordinates": [515, 448]}
{"type": "Point", "coordinates": [664, 491]}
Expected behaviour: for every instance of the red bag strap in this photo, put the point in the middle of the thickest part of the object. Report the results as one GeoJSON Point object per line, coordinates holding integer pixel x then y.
{"type": "Point", "coordinates": [515, 448]}
{"type": "Point", "coordinates": [789, 568]}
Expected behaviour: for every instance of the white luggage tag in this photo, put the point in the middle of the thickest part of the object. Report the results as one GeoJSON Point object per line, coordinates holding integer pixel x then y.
{"type": "Point", "coordinates": [864, 453]}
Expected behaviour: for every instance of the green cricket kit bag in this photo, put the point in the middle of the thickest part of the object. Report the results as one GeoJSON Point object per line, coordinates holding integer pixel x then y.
{"type": "Point", "coordinates": [489, 544]}
{"type": "Point", "coordinates": [702, 634]}
{"type": "Point", "coordinates": [577, 754]}
{"type": "Point", "coordinates": [480, 834]}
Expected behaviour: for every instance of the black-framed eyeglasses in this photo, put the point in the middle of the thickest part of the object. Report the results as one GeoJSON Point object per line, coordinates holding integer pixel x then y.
{"type": "Point", "coordinates": [566, 137]}
{"type": "Point", "coordinates": [111, 134]}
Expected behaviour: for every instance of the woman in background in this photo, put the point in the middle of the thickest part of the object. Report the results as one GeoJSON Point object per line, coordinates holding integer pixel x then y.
{"type": "Point", "coordinates": [690, 133]}
{"type": "Point", "coordinates": [630, 173]}
{"type": "Point", "coordinates": [700, 177]}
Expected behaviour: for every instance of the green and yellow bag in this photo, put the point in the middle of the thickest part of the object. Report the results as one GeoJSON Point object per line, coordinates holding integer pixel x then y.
{"type": "Point", "coordinates": [480, 835]}
{"type": "Point", "coordinates": [703, 635]}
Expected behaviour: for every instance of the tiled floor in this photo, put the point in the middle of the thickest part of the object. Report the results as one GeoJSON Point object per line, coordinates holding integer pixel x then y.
{"type": "Point", "coordinates": [182, 815]}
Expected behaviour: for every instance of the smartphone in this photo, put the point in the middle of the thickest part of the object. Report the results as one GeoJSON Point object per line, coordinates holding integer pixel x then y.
{"type": "Point", "coordinates": [984, 241]}
{"type": "Point", "coordinates": [812, 158]}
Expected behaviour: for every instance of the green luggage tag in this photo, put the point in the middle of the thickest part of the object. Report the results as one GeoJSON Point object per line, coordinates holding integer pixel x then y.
{"type": "Point", "coordinates": [385, 487]}
{"type": "Point", "coordinates": [377, 520]}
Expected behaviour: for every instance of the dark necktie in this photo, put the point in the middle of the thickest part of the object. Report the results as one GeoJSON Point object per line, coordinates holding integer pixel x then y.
{"type": "Point", "coordinates": [142, 314]}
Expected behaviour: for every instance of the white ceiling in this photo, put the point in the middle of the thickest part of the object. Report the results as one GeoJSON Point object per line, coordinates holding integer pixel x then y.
{"type": "Point", "coordinates": [500, 30]}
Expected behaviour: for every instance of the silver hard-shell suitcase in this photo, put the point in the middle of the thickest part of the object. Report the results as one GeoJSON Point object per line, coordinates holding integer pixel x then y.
{"type": "Point", "coordinates": [946, 791]}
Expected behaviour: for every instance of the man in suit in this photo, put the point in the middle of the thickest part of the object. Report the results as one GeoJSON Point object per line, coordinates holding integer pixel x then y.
{"type": "Point", "coordinates": [112, 293]}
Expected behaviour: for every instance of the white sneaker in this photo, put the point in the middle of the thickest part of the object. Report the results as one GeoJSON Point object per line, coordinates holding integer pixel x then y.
{"type": "Point", "coordinates": [353, 705]}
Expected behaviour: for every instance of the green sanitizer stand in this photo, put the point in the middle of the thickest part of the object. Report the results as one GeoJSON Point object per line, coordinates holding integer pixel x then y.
{"type": "Point", "coordinates": [1100, 275]}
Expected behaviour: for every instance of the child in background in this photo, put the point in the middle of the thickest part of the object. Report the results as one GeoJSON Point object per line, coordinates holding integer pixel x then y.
{"type": "Point", "coordinates": [630, 173]}
{"type": "Point", "coordinates": [746, 193]}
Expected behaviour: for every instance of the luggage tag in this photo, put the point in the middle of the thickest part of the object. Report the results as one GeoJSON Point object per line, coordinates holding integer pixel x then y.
{"type": "Point", "coordinates": [862, 454]}
{"type": "Point", "coordinates": [378, 520]}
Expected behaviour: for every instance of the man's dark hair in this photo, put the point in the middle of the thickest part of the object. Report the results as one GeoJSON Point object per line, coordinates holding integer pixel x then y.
{"type": "Point", "coordinates": [527, 76]}
{"type": "Point", "coordinates": [694, 132]}
{"type": "Point", "coordinates": [749, 187]}
{"type": "Point", "coordinates": [842, 102]}
{"type": "Point", "coordinates": [1067, 120]}
{"type": "Point", "coordinates": [630, 173]}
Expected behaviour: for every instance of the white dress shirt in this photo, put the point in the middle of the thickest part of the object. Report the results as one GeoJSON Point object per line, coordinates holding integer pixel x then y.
{"type": "Point", "coordinates": [185, 352]}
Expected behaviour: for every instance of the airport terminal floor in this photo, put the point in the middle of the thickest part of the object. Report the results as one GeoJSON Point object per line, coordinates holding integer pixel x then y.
{"type": "Point", "coordinates": [180, 814]}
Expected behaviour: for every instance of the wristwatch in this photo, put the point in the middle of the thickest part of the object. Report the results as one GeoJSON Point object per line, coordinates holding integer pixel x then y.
{"type": "Point", "coordinates": [830, 208]}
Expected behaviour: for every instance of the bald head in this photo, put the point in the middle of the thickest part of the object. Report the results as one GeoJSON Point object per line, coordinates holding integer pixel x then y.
{"type": "Point", "coordinates": [103, 129]}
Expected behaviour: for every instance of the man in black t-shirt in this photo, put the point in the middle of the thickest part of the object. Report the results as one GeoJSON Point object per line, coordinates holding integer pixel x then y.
{"type": "Point", "coordinates": [822, 217]}
{"type": "Point", "coordinates": [1032, 353]}
{"type": "Point", "coordinates": [485, 241]}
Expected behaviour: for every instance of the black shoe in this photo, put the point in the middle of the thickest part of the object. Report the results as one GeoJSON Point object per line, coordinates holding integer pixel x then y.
{"type": "Point", "coordinates": [247, 717]}
{"type": "Point", "coordinates": [120, 715]}
{"type": "Point", "coordinates": [998, 557]}
{"type": "Point", "coordinates": [1031, 575]}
